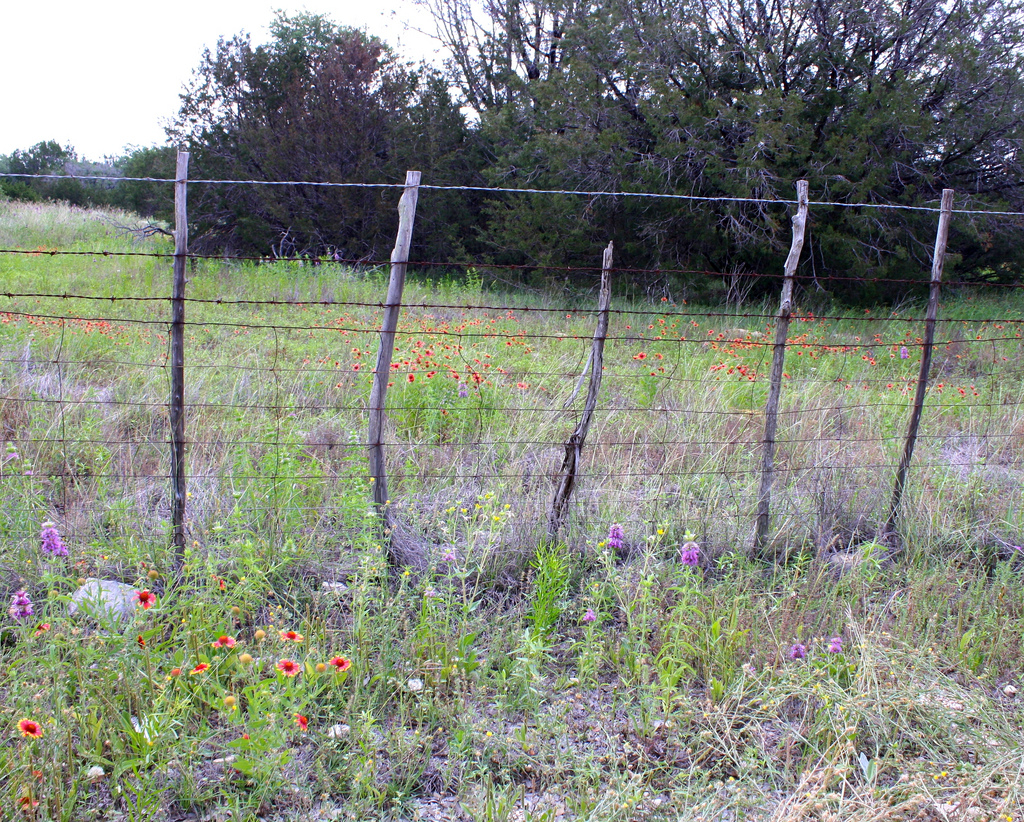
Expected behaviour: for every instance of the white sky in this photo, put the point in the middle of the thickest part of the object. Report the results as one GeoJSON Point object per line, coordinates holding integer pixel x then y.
{"type": "Point", "coordinates": [104, 75]}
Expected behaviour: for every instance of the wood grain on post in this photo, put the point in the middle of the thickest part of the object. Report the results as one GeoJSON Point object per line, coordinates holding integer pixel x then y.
{"type": "Point", "coordinates": [382, 371]}
{"type": "Point", "coordinates": [179, 493]}
{"type": "Point", "coordinates": [764, 496]}
{"type": "Point", "coordinates": [574, 445]}
{"type": "Point", "coordinates": [938, 262]}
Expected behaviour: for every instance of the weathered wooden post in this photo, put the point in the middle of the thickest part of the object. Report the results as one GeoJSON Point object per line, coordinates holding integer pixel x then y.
{"type": "Point", "coordinates": [574, 445]}
{"type": "Point", "coordinates": [771, 412]}
{"type": "Point", "coordinates": [382, 371]}
{"type": "Point", "coordinates": [888, 532]}
{"type": "Point", "coordinates": [179, 493]}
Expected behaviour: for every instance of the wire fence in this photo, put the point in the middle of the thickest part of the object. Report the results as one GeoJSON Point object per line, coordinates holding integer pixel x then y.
{"type": "Point", "coordinates": [481, 402]}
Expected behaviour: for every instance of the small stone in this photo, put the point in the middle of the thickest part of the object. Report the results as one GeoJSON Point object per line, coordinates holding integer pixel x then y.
{"type": "Point", "coordinates": [845, 562]}
{"type": "Point", "coordinates": [338, 731]}
{"type": "Point", "coordinates": [104, 600]}
{"type": "Point", "coordinates": [1009, 690]}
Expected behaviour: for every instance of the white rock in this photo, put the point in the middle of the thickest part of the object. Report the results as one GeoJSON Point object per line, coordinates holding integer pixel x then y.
{"type": "Point", "coordinates": [338, 731]}
{"type": "Point", "coordinates": [1009, 690]}
{"type": "Point", "coordinates": [104, 600]}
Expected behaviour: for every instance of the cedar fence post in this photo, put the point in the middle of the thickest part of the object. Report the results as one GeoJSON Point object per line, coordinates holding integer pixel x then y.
{"type": "Point", "coordinates": [177, 405]}
{"type": "Point", "coordinates": [938, 262]}
{"type": "Point", "coordinates": [382, 371]}
{"type": "Point", "coordinates": [574, 445]}
{"type": "Point", "coordinates": [764, 495]}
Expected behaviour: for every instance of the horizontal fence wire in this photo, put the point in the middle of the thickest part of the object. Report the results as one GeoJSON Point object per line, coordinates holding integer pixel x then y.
{"type": "Point", "coordinates": [500, 190]}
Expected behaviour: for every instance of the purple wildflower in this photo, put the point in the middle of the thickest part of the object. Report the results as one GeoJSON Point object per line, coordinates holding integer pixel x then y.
{"type": "Point", "coordinates": [21, 606]}
{"type": "Point", "coordinates": [689, 554]}
{"type": "Point", "coordinates": [835, 645]}
{"type": "Point", "coordinates": [463, 390]}
{"type": "Point", "coordinates": [590, 616]}
{"type": "Point", "coordinates": [448, 556]}
{"type": "Point", "coordinates": [903, 352]}
{"type": "Point", "coordinates": [798, 651]}
{"type": "Point", "coordinates": [52, 543]}
{"type": "Point", "coordinates": [615, 537]}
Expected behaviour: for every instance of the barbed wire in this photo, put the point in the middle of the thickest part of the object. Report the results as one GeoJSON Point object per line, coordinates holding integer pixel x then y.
{"type": "Point", "coordinates": [315, 262]}
{"type": "Point", "coordinates": [712, 374]}
{"type": "Point", "coordinates": [398, 474]}
{"type": "Point", "coordinates": [474, 442]}
{"type": "Point", "coordinates": [570, 311]}
{"type": "Point", "coordinates": [675, 410]}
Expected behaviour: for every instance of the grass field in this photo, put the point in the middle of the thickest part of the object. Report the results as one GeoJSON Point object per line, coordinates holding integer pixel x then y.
{"type": "Point", "coordinates": [287, 672]}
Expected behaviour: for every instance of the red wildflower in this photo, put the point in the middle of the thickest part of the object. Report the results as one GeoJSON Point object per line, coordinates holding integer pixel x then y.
{"type": "Point", "coordinates": [640, 356]}
{"type": "Point", "coordinates": [223, 642]}
{"type": "Point", "coordinates": [141, 640]}
{"type": "Point", "coordinates": [340, 663]}
{"type": "Point", "coordinates": [291, 636]}
{"type": "Point", "coordinates": [175, 672]}
{"type": "Point", "coordinates": [42, 628]}
{"type": "Point", "coordinates": [145, 599]}
{"type": "Point", "coordinates": [30, 728]}
{"type": "Point", "coordinates": [302, 722]}
{"type": "Point", "coordinates": [288, 667]}
{"type": "Point", "coordinates": [202, 666]}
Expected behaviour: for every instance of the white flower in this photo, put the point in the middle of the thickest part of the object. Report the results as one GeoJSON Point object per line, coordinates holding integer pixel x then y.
{"type": "Point", "coordinates": [415, 685]}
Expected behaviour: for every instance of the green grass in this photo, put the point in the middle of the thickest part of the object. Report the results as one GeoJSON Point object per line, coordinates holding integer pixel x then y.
{"type": "Point", "coordinates": [474, 684]}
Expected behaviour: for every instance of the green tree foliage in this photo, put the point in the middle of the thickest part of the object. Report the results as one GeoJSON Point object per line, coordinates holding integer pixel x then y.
{"type": "Point", "coordinates": [47, 157]}
{"type": "Point", "coordinates": [148, 199]}
{"type": "Point", "coordinates": [86, 183]}
{"type": "Point", "coordinates": [870, 100]}
{"type": "Point", "coordinates": [319, 103]}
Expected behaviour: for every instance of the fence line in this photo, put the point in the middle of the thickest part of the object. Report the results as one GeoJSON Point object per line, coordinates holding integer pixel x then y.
{"type": "Point", "coordinates": [677, 439]}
